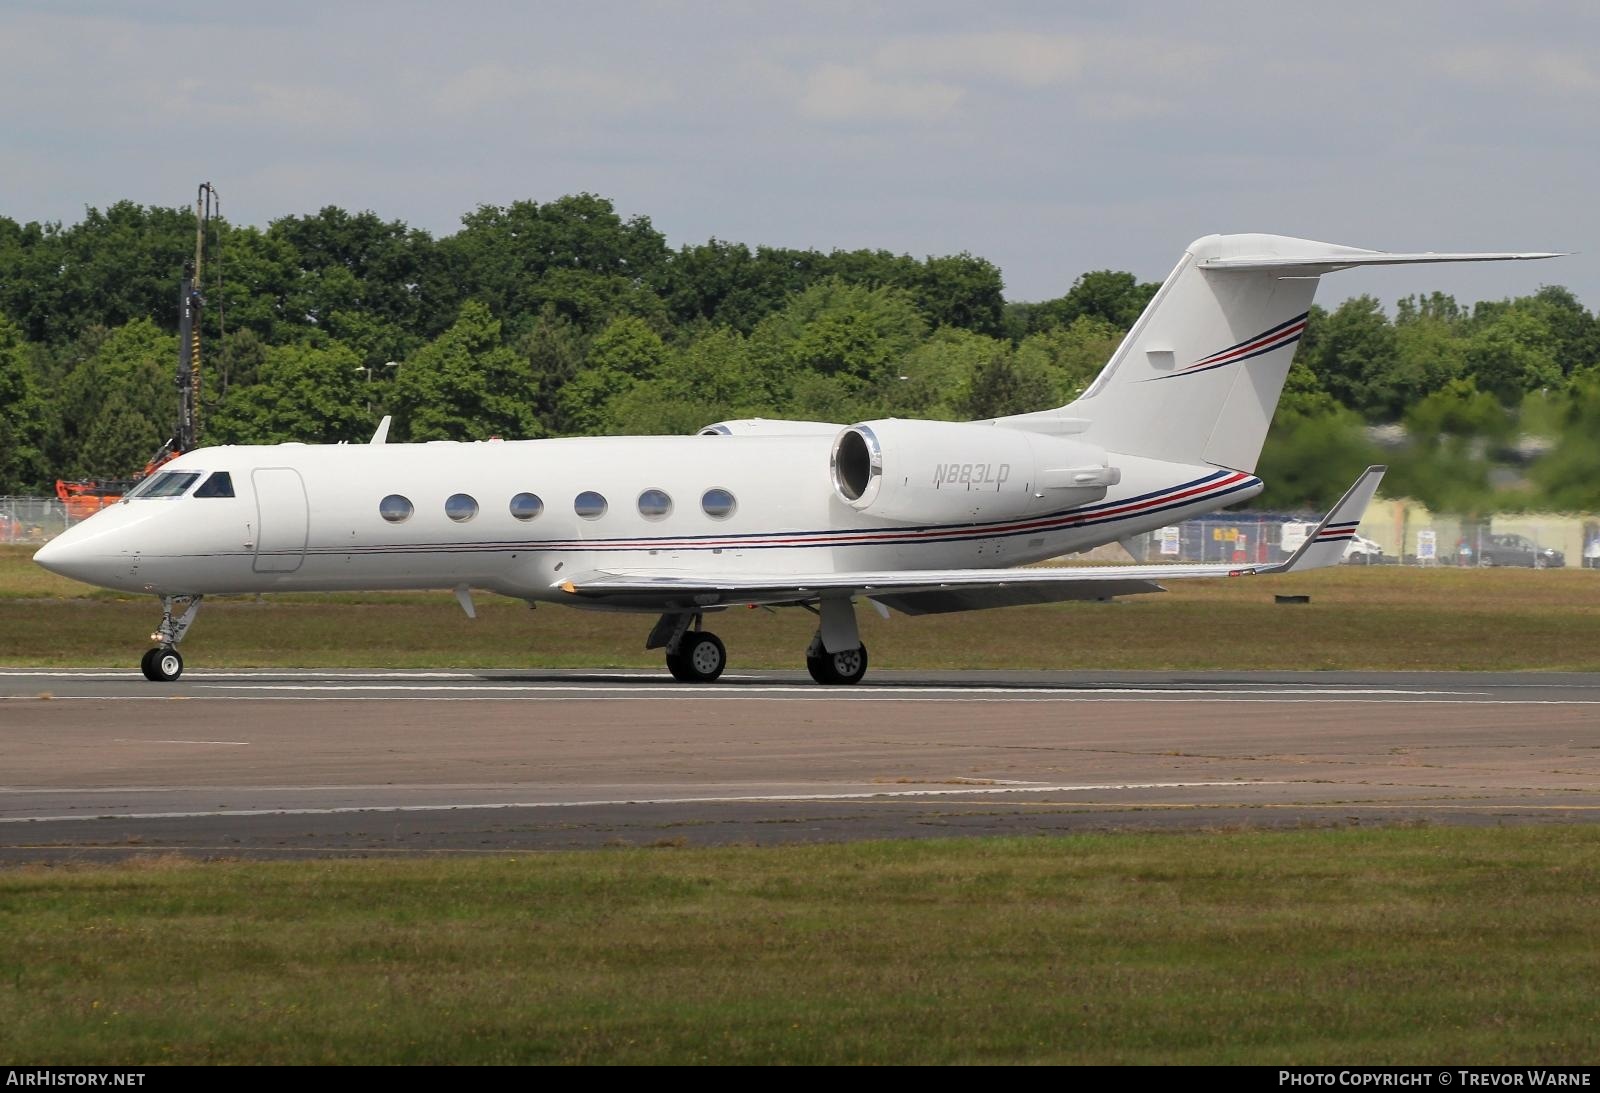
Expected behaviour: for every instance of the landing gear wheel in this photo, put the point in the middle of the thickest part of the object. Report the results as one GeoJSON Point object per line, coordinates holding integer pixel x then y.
{"type": "Point", "coordinates": [838, 669]}
{"type": "Point", "coordinates": [162, 665]}
{"type": "Point", "coordinates": [700, 658]}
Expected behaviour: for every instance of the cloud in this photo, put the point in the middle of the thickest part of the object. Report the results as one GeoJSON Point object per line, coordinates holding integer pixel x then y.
{"type": "Point", "coordinates": [841, 93]}
{"type": "Point", "coordinates": [491, 88]}
{"type": "Point", "coordinates": [1551, 71]}
{"type": "Point", "coordinates": [1033, 60]}
{"type": "Point", "coordinates": [927, 77]}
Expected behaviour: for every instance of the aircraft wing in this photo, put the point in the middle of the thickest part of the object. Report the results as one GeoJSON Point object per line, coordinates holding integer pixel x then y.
{"type": "Point", "coordinates": [934, 591]}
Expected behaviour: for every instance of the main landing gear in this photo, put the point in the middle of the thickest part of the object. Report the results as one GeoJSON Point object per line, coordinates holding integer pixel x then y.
{"type": "Point", "coordinates": [693, 656]}
{"type": "Point", "coordinates": [164, 663]}
{"type": "Point", "coordinates": [835, 657]}
{"type": "Point", "coordinates": [835, 669]}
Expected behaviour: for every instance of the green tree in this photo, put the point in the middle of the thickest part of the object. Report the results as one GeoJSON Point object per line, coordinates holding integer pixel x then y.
{"type": "Point", "coordinates": [1574, 333]}
{"type": "Point", "coordinates": [935, 378]}
{"type": "Point", "coordinates": [1430, 352]}
{"type": "Point", "coordinates": [1306, 461]}
{"type": "Point", "coordinates": [1303, 396]}
{"type": "Point", "coordinates": [465, 385]}
{"type": "Point", "coordinates": [1354, 356]}
{"type": "Point", "coordinates": [22, 416]}
{"type": "Point", "coordinates": [575, 254]}
{"type": "Point", "coordinates": [392, 275]}
{"type": "Point", "coordinates": [707, 380]}
{"type": "Point", "coordinates": [1568, 476]}
{"type": "Point", "coordinates": [317, 395]}
{"type": "Point", "coordinates": [622, 355]}
{"type": "Point", "coordinates": [1113, 296]}
{"type": "Point", "coordinates": [110, 268]}
{"type": "Point", "coordinates": [117, 404]}
{"type": "Point", "coordinates": [555, 350]}
{"type": "Point", "coordinates": [836, 329]}
{"type": "Point", "coordinates": [1511, 354]}
{"type": "Point", "coordinates": [1447, 461]}
{"type": "Point", "coordinates": [1005, 383]}
{"type": "Point", "coordinates": [961, 291]}
{"type": "Point", "coordinates": [1071, 355]}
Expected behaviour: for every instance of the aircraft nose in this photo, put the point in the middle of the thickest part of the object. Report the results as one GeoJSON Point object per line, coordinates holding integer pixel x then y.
{"type": "Point", "coordinates": [66, 555]}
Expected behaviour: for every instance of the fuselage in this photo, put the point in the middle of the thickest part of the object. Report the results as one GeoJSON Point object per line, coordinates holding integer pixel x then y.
{"type": "Point", "coordinates": [519, 517]}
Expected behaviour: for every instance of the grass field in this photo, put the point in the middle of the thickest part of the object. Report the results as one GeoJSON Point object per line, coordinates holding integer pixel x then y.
{"type": "Point", "coordinates": [1406, 945]}
{"type": "Point", "coordinates": [1358, 618]}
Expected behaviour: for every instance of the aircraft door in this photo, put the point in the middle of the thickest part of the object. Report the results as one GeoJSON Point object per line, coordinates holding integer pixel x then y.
{"type": "Point", "coordinates": [282, 519]}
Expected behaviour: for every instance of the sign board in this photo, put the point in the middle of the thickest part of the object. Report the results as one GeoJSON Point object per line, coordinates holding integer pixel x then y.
{"type": "Point", "coordinates": [1427, 545]}
{"type": "Point", "coordinates": [1170, 541]}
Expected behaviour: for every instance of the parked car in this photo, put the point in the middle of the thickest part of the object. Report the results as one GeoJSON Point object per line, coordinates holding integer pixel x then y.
{"type": "Point", "coordinates": [1519, 550]}
{"type": "Point", "coordinates": [1363, 551]}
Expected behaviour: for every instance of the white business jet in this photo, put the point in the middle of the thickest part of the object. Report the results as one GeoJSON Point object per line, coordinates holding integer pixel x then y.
{"type": "Point", "coordinates": [919, 516]}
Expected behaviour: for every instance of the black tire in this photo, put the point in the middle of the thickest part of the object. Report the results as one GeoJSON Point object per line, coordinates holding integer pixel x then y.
{"type": "Point", "coordinates": [700, 658]}
{"type": "Point", "coordinates": [838, 669]}
{"type": "Point", "coordinates": [161, 665]}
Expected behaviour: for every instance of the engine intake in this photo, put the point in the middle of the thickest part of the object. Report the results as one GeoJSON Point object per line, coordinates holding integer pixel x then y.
{"type": "Point", "coordinates": [933, 472]}
{"type": "Point", "coordinates": [857, 464]}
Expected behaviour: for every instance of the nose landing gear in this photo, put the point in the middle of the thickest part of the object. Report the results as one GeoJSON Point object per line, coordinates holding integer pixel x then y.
{"type": "Point", "coordinates": [164, 663]}
{"type": "Point", "coordinates": [161, 665]}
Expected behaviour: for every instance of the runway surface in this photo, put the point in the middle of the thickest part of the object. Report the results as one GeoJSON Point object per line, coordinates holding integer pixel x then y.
{"type": "Point", "coordinates": [99, 765]}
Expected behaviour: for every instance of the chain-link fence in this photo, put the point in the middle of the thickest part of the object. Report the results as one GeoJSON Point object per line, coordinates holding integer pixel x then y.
{"type": "Point", "coordinates": [35, 519]}
{"type": "Point", "coordinates": [1394, 533]}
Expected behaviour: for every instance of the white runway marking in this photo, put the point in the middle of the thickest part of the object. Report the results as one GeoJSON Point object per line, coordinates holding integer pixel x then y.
{"type": "Point", "coordinates": [225, 743]}
{"type": "Point", "coordinates": [813, 691]}
{"type": "Point", "coordinates": [125, 674]}
{"type": "Point", "coordinates": [932, 696]}
{"type": "Point", "coordinates": [748, 799]}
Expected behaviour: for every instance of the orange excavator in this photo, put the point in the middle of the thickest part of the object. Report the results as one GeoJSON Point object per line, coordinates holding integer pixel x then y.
{"type": "Point", "coordinates": [85, 497]}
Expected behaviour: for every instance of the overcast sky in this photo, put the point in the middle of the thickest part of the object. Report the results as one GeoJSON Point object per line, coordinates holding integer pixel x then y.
{"type": "Point", "coordinates": [1051, 138]}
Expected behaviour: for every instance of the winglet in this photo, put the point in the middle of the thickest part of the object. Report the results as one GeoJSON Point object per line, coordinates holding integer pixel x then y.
{"type": "Point", "coordinates": [1326, 545]}
{"type": "Point", "coordinates": [382, 435]}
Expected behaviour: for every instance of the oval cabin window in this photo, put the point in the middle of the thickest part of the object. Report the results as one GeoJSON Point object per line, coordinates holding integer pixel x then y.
{"type": "Point", "coordinates": [654, 504]}
{"type": "Point", "coordinates": [718, 503]}
{"type": "Point", "coordinates": [395, 509]}
{"type": "Point", "coordinates": [525, 506]}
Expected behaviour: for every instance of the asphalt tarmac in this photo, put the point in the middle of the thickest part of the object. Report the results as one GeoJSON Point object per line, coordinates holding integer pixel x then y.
{"type": "Point", "coordinates": [100, 765]}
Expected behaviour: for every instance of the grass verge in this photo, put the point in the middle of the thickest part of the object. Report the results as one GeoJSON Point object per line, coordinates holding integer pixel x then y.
{"type": "Point", "coordinates": [1381, 618]}
{"type": "Point", "coordinates": [1403, 945]}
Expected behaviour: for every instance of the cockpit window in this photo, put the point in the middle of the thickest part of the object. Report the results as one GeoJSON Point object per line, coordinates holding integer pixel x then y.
{"type": "Point", "coordinates": [167, 484]}
{"type": "Point", "coordinates": [218, 485]}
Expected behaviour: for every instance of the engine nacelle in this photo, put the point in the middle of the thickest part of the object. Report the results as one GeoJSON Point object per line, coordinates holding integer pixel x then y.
{"type": "Point", "coordinates": [938, 472]}
{"type": "Point", "coordinates": [761, 426]}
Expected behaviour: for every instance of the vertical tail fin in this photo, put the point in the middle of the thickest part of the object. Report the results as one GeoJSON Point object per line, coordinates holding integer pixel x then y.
{"type": "Point", "coordinates": [1198, 377]}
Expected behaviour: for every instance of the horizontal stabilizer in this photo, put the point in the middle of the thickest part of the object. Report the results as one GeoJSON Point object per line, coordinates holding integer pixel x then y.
{"type": "Point", "coordinates": [1323, 258]}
